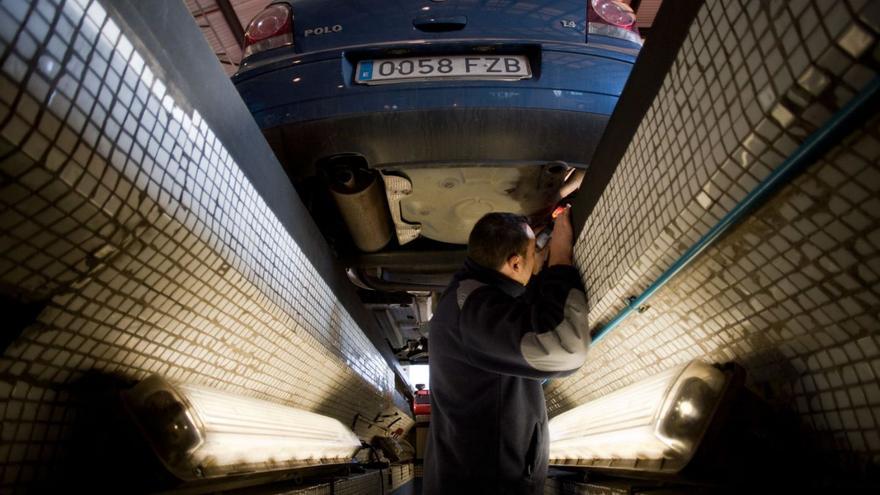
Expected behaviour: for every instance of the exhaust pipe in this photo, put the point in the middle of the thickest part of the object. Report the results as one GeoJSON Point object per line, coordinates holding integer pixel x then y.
{"type": "Point", "coordinates": [361, 201]}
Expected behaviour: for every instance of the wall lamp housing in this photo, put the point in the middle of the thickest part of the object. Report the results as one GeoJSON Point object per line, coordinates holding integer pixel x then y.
{"type": "Point", "coordinates": [655, 425]}
{"type": "Point", "coordinates": [202, 433]}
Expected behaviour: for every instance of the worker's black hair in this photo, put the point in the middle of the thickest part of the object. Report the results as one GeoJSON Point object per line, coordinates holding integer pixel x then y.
{"type": "Point", "coordinates": [496, 237]}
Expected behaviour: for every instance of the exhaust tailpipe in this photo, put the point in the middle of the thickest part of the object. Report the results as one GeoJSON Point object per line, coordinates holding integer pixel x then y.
{"type": "Point", "coordinates": [361, 201]}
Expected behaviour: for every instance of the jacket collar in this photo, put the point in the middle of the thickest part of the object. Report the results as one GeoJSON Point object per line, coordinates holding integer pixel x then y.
{"type": "Point", "coordinates": [473, 270]}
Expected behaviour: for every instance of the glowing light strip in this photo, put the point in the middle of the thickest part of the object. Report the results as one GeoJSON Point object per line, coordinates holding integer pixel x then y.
{"type": "Point", "coordinates": [661, 418]}
{"type": "Point", "coordinates": [201, 432]}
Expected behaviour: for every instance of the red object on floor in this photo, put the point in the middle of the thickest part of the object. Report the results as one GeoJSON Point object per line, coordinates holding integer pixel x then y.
{"type": "Point", "coordinates": [422, 404]}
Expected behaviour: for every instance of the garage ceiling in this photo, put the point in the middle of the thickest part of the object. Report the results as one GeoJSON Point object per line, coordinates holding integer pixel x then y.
{"type": "Point", "coordinates": [223, 23]}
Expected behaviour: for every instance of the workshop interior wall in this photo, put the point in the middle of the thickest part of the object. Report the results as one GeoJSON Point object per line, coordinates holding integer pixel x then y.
{"type": "Point", "coordinates": [139, 247]}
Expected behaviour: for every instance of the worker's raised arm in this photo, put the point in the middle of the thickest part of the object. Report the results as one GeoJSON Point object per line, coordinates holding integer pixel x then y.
{"type": "Point", "coordinates": [538, 337]}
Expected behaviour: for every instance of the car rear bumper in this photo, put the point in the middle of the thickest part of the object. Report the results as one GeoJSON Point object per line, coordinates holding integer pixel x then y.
{"type": "Point", "coordinates": [303, 88]}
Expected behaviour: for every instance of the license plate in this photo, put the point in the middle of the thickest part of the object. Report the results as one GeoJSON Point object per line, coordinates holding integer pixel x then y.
{"type": "Point", "coordinates": [494, 67]}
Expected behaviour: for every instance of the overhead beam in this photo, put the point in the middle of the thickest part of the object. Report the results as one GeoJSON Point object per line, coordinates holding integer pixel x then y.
{"type": "Point", "coordinates": [232, 20]}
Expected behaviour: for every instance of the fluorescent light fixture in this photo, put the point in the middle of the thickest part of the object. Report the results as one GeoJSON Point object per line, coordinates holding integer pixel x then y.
{"type": "Point", "coordinates": [199, 432]}
{"type": "Point", "coordinates": [653, 425]}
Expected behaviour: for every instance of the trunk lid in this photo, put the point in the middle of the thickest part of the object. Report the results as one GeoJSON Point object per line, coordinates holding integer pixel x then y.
{"type": "Point", "coordinates": [333, 24]}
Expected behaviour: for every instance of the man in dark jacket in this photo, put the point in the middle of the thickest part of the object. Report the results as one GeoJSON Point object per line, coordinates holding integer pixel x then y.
{"type": "Point", "coordinates": [492, 344]}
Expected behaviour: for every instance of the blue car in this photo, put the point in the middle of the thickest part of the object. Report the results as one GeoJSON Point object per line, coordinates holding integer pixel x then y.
{"type": "Point", "coordinates": [402, 122]}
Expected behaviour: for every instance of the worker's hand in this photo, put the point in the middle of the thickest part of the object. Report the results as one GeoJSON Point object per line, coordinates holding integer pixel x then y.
{"type": "Point", "coordinates": [540, 256]}
{"type": "Point", "coordinates": [560, 244]}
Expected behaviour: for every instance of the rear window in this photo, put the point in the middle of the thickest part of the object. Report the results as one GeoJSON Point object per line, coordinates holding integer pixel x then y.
{"type": "Point", "coordinates": [423, 399]}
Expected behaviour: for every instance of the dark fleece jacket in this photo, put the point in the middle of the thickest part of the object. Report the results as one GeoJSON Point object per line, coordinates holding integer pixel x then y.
{"type": "Point", "coordinates": [492, 344]}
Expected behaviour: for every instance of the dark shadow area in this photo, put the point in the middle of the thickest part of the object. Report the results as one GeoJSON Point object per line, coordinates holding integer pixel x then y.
{"type": "Point", "coordinates": [104, 453]}
{"type": "Point", "coordinates": [762, 448]}
{"type": "Point", "coordinates": [18, 315]}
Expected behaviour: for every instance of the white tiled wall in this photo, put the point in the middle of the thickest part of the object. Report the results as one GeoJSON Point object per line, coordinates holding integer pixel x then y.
{"type": "Point", "coordinates": [793, 292]}
{"type": "Point", "coordinates": [154, 254]}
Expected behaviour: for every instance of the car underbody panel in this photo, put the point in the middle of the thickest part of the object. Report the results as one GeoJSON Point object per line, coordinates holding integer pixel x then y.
{"type": "Point", "coordinates": [441, 138]}
{"type": "Point", "coordinates": [444, 203]}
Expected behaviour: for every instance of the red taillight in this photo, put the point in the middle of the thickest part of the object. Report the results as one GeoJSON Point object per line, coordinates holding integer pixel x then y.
{"type": "Point", "coordinates": [272, 28]}
{"type": "Point", "coordinates": [612, 18]}
{"type": "Point", "coordinates": [614, 12]}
